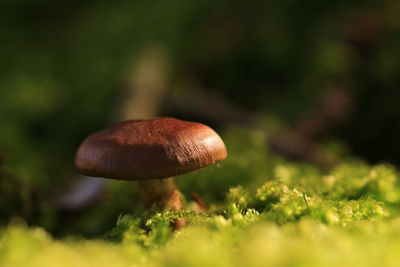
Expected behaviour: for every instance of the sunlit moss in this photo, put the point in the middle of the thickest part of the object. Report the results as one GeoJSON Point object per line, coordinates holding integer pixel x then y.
{"type": "Point", "coordinates": [288, 214]}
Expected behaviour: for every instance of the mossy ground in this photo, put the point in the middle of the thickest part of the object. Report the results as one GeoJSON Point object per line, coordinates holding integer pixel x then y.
{"type": "Point", "coordinates": [263, 211]}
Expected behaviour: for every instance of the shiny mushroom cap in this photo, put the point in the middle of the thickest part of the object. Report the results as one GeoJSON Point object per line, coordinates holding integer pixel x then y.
{"type": "Point", "coordinates": [149, 149]}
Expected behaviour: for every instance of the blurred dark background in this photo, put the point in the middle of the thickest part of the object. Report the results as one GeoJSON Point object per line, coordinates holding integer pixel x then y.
{"type": "Point", "coordinates": [318, 69]}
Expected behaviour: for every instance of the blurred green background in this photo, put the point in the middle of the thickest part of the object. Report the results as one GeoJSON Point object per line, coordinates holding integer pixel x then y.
{"type": "Point", "coordinates": [69, 68]}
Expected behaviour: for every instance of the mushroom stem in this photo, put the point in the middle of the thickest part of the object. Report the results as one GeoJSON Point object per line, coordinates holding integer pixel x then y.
{"type": "Point", "coordinates": [161, 194]}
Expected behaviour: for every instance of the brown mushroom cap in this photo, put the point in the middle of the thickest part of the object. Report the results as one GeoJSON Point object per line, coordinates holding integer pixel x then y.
{"type": "Point", "coordinates": [149, 149]}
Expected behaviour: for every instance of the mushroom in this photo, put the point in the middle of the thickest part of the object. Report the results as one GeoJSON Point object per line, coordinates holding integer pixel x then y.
{"type": "Point", "coordinates": [151, 152]}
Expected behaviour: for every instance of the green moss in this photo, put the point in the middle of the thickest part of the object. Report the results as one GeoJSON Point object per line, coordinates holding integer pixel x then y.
{"type": "Point", "coordinates": [269, 213]}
